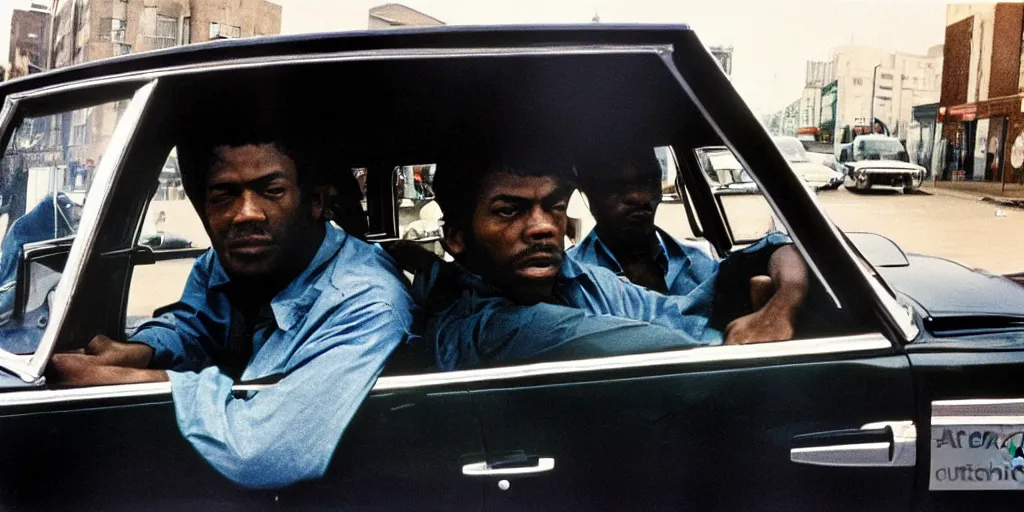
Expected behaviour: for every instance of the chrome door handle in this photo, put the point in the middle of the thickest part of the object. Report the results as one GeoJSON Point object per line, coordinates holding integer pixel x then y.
{"type": "Point", "coordinates": [865, 449]}
{"type": "Point", "coordinates": [482, 469]}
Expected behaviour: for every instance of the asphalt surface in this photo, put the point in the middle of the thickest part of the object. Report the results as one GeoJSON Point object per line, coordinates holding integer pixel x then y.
{"type": "Point", "coordinates": [964, 230]}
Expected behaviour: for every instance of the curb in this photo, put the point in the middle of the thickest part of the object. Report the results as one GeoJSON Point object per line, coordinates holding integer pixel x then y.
{"type": "Point", "coordinates": [1001, 201]}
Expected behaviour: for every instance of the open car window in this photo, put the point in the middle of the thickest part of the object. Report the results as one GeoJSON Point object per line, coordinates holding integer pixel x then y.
{"type": "Point", "coordinates": [46, 183]}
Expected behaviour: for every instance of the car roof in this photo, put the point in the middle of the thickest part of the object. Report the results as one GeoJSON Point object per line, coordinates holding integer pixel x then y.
{"type": "Point", "coordinates": [279, 46]}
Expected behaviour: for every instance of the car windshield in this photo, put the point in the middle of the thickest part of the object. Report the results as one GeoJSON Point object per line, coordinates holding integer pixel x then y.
{"type": "Point", "coordinates": [879, 149]}
{"type": "Point", "coordinates": [724, 161]}
{"type": "Point", "coordinates": [792, 149]}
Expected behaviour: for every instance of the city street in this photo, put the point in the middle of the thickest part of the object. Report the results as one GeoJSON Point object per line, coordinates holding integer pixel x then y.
{"type": "Point", "coordinates": [956, 228]}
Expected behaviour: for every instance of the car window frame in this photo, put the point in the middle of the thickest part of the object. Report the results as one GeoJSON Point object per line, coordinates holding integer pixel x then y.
{"type": "Point", "coordinates": [870, 342]}
{"type": "Point", "coordinates": [30, 367]}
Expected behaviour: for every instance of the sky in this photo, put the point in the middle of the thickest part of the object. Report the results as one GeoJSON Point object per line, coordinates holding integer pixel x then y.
{"type": "Point", "coordinates": [772, 39]}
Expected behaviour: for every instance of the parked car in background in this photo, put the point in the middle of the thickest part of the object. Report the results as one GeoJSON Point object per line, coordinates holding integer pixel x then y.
{"type": "Point", "coordinates": [879, 161]}
{"type": "Point", "coordinates": [724, 172]}
{"type": "Point", "coordinates": [815, 174]}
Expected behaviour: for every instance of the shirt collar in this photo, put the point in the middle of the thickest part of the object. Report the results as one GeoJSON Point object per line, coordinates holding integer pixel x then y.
{"type": "Point", "coordinates": [592, 243]}
{"type": "Point", "coordinates": [571, 269]}
{"type": "Point", "coordinates": [304, 289]}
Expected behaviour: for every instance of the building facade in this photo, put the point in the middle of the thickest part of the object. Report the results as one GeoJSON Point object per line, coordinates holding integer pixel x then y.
{"type": "Point", "coordinates": [87, 30]}
{"type": "Point", "coordinates": [30, 40]}
{"type": "Point", "coordinates": [981, 107]}
{"type": "Point", "coordinates": [397, 16]}
{"type": "Point", "coordinates": [874, 83]}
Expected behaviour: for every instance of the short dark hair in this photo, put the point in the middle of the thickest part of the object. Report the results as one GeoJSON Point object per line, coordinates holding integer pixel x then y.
{"type": "Point", "coordinates": [457, 182]}
{"type": "Point", "coordinates": [197, 157]}
{"type": "Point", "coordinates": [594, 167]}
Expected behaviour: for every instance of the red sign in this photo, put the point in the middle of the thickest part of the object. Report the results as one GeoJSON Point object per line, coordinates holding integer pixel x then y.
{"type": "Point", "coordinates": [967, 112]}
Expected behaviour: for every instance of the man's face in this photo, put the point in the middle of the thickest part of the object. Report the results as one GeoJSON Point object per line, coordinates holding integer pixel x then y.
{"type": "Point", "coordinates": [624, 204]}
{"type": "Point", "coordinates": [254, 210]}
{"type": "Point", "coordinates": [516, 236]}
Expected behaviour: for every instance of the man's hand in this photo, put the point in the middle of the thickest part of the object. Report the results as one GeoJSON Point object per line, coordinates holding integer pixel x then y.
{"type": "Point", "coordinates": [85, 370]}
{"type": "Point", "coordinates": [772, 320]}
{"type": "Point", "coordinates": [103, 362]}
{"type": "Point", "coordinates": [115, 353]}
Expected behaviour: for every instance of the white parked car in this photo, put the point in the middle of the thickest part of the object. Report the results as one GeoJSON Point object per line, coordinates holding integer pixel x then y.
{"type": "Point", "coordinates": [815, 174]}
{"type": "Point", "coordinates": [873, 161]}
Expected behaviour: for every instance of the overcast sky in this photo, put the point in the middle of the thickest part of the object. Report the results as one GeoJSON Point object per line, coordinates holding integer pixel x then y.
{"type": "Point", "coordinates": [773, 39]}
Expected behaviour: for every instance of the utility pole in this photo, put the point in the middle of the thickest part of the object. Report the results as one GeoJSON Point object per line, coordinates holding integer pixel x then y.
{"type": "Point", "coordinates": [874, 75]}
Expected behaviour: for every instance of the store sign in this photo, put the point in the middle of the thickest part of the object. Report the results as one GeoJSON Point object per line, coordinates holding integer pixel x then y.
{"type": "Point", "coordinates": [977, 458]}
{"type": "Point", "coordinates": [964, 112]}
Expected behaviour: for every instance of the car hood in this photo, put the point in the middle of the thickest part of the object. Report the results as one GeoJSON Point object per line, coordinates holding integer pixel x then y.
{"type": "Point", "coordinates": [886, 164]}
{"type": "Point", "coordinates": [812, 169]}
{"type": "Point", "coordinates": [945, 288]}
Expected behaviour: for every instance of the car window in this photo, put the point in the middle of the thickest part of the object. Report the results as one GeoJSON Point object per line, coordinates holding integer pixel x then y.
{"type": "Point", "coordinates": [791, 149]}
{"type": "Point", "coordinates": [170, 227]}
{"type": "Point", "coordinates": [46, 176]}
{"type": "Point", "coordinates": [419, 216]}
{"type": "Point", "coordinates": [747, 213]}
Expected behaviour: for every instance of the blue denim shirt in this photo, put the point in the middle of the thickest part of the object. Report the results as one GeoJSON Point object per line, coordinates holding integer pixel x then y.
{"type": "Point", "coordinates": [688, 269]}
{"type": "Point", "coordinates": [686, 265]}
{"type": "Point", "coordinates": [328, 334]}
{"type": "Point", "coordinates": [482, 326]}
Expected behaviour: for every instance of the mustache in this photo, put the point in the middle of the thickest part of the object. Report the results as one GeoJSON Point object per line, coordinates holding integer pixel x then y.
{"type": "Point", "coordinates": [242, 231]}
{"type": "Point", "coordinates": [536, 249]}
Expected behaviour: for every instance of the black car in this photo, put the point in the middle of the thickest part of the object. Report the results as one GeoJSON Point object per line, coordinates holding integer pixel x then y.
{"type": "Point", "coordinates": [902, 392]}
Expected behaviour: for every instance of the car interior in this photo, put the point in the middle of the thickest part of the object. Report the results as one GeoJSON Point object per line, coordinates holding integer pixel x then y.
{"type": "Point", "coordinates": [414, 111]}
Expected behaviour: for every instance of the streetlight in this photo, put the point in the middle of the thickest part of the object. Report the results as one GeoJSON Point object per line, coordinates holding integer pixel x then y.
{"type": "Point", "coordinates": [874, 75]}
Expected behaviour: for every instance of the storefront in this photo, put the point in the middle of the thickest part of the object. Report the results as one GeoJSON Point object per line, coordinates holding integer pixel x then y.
{"type": "Point", "coordinates": [976, 146]}
{"type": "Point", "coordinates": [921, 135]}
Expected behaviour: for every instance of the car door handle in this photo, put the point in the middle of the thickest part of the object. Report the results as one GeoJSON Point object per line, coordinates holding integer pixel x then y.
{"type": "Point", "coordinates": [484, 469]}
{"type": "Point", "coordinates": [880, 444]}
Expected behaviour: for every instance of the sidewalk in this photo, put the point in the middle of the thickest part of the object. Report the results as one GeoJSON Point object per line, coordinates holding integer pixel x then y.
{"type": "Point", "coordinates": [931, 189]}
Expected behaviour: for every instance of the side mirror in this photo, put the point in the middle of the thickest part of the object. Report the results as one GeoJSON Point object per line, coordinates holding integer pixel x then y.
{"type": "Point", "coordinates": [844, 155]}
{"type": "Point", "coordinates": [878, 250]}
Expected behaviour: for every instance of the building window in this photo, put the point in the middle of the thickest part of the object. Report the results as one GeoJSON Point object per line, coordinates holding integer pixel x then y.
{"type": "Point", "coordinates": [118, 29]}
{"type": "Point", "coordinates": [186, 30]}
{"type": "Point", "coordinates": [222, 31]}
{"type": "Point", "coordinates": [858, 81]}
{"type": "Point", "coordinates": [165, 32]}
{"type": "Point", "coordinates": [122, 49]}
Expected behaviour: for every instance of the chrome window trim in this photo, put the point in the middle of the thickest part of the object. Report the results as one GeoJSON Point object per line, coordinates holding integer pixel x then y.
{"type": "Point", "coordinates": [699, 355]}
{"type": "Point", "coordinates": [351, 56]}
{"type": "Point", "coordinates": [903, 321]}
{"type": "Point", "coordinates": [784, 349]}
{"type": "Point", "coordinates": [978, 407]}
{"type": "Point", "coordinates": [88, 231]}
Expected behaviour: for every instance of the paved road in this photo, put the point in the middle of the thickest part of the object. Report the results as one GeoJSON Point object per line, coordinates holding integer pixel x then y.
{"type": "Point", "coordinates": [959, 229]}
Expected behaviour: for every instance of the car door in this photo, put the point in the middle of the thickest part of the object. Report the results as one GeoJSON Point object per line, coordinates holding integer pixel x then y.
{"type": "Point", "coordinates": [972, 409]}
{"type": "Point", "coordinates": [119, 447]}
{"type": "Point", "coordinates": [800, 425]}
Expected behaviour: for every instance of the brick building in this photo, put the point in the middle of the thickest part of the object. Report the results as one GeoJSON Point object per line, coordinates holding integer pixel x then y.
{"type": "Point", "coordinates": [981, 108]}
{"type": "Point", "coordinates": [30, 40]}
{"type": "Point", "coordinates": [87, 30]}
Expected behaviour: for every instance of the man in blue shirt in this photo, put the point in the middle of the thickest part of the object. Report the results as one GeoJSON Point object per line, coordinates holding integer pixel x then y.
{"type": "Point", "coordinates": [623, 189]}
{"type": "Point", "coordinates": [282, 295]}
{"type": "Point", "coordinates": [513, 294]}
